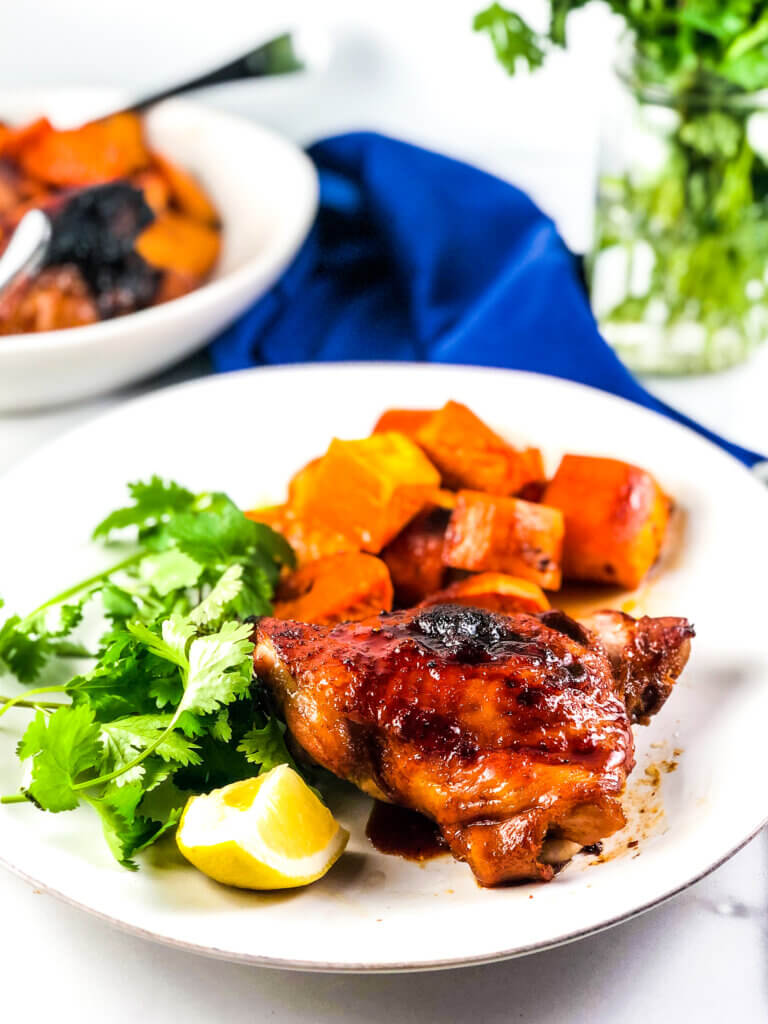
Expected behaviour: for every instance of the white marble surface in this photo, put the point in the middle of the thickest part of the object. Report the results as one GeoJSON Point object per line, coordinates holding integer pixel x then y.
{"type": "Point", "coordinates": [415, 70]}
{"type": "Point", "coordinates": [700, 958]}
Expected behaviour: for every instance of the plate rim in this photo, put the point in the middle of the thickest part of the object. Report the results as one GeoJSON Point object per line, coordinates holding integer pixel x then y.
{"type": "Point", "coordinates": [382, 966]}
{"type": "Point", "coordinates": [407, 967]}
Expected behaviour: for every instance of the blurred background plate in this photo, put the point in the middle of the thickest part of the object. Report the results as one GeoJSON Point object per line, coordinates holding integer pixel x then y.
{"type": "Point", "coordinates": [373, 912]}
{"type": "Point", "coordinates": [265, 190]}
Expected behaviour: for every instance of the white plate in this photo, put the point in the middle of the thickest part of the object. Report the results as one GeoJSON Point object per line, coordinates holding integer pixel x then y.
{"type": "Point", "coordinates": [265, 189]}
{"type": "Point", "coordinates": [246, 433]}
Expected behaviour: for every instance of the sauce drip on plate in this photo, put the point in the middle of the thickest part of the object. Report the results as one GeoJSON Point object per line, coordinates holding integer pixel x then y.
{"type": "Point", "coordinates": [404, 833]}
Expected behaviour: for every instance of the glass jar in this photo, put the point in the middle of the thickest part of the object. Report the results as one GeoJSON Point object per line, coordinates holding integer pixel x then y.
{"type": "Point", "coordinates": [679, 268]}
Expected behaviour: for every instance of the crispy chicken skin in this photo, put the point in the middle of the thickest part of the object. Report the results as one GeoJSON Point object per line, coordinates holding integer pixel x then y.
{"type": "Point", "coordinates": [506, 730]}
{"type": "Point", "coordinates": [647, 656]}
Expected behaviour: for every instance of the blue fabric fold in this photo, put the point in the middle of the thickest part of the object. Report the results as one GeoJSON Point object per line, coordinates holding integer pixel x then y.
{"type": "Point", "coordinates": [420, 257]}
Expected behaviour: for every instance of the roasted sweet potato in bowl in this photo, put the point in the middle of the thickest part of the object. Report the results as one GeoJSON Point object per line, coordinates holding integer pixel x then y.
{"type": "Point", "coordinates": [122, 217]}
{"type": "Point", "coordinates": [265, 194]}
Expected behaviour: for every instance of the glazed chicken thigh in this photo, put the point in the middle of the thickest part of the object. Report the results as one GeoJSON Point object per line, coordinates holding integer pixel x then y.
{"type": "Point", "coordinates": [508, 731]}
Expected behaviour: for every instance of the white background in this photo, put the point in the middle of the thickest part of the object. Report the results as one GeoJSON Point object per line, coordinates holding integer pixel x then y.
{"type": "Point", "coordinates": [416, 70]}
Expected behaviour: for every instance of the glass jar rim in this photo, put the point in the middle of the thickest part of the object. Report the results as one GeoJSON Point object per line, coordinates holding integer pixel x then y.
{"type": "Point", "coordinates": [720, 95]}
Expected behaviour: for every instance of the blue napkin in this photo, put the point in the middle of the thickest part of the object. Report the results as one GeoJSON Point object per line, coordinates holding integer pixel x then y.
{"type": "Point", "coordinates": [420, 257]}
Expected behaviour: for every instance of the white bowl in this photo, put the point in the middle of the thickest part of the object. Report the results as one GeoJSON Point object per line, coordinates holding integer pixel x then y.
{"type": "Point", "coordinates": [266, 192]}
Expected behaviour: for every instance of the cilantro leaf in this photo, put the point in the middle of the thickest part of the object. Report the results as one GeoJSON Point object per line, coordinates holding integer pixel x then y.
{"type": "Point", "coordinates": [169, 570]}
{"type": "Point", "coordinates": [222, 533]}
{"type": "Point", "coordinates": [513, 39]}
{"type": "Point", "coordinates": [124, 800]}
{"type": "Point", "coordinates": [70, 616]}
{"type": "Point", "coordinates": [125, 737]}
{"type": "Point", "coordinates": [126, 832]}
{"type": "Point", "coordinates": [117, 602]}
{"type": "Point", "coordinates": [172, 645]}
{"type": "Point", "coordinates": [27, 645]}
{"type": "Point", "coordinates": [166, 689]}
{"type": "Point", "coordinates": [192, 726]}
{"type": "Point", "coordinates": [62, 748]}
{"type": "Point", "coordinates": [124, 678]}
{"type": "Point", "coordinates": [213, 536]}
{"type": "Point", "coordinates": [154, 502]}
{"type": "Point", "coordinates": [23, 653]}
{"type": "Point", "coordinates": [122, 831]}
{"type": "Point", "coordinates": [221, 764]}
{"type": "Point", "coordinates": [212, 608]}
{"type": "Point", "coordinates": [154, 829]}
{"type": "Point", "coordinates": [33, 740]}
{"type": "Point", "coordinates": [220, 668]}
{"type": "Point", "coordinates": [256, 595]}
{"type": "Point", "coordinates": [273, 546]}
{"type": "Point", "coordinates": [69, 649]}
{"type": "Point", "coordinates": [265, 746]}
{"type": "Point", "coordinates": [222, 727]}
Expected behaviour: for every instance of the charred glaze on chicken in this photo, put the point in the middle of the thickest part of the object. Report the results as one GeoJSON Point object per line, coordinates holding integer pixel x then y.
{"type": "Point", "coordinates": [506, 730]}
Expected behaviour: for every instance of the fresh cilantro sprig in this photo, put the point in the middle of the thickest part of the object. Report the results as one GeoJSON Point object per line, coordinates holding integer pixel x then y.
{"type": "Point", "coordinates": [513, 39]}
{"type": "Point", "coordinates": [684, 42]}
{"type": "Point", "coordinates": [185, 544]}
{"type": "Point", "coordinates": [168, 703]}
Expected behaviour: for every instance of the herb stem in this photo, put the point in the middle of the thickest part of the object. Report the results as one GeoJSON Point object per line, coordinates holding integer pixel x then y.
{"type": "Point", "coordinates": [101, 779]}
{"type": "Point", "coordinates": [17, 702]}
{"type": "Point", "coordinates": [22, 698]}
{"type": "Point", "coordinates": [82, 585]}
{"type": "Point", "coordinates": [17, 798]}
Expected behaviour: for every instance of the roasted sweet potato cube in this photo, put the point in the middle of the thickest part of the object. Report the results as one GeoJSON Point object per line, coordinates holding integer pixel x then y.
{"type": "Point", "coordinates": [415, 557]}
{"type": "Point", "coordinates": [96, 152]}
{"type": "Point", "coordinates": [310, 541]}
{"type": "Point", "coordinates": [155, 189]}
{"type": "Point", "coordinates": [616, 516]}
{"type": "Point", "coordinates": [490, 533]}
{"type": "Point", "coordinates": [444, 499]}
{"type": "Point", "coordinates": [340, 588]}
{"type": "Point", "coordinates": [367, 490]}
{"type": "Point", "coordinates": [404, 421]}
{"type": "Point", "coordinates": [300, 482]}
{"type": "Point", "coordinates": [271, 515]}
{"type": "Point", "coordinates": [470, 455]}
{"type": "Point", "coordinates": [188, 194]}
{"type": "Point", "coordinates": [17, 189]}
{"type": "Point", "coordinates": [176, 242]}
{"type": "Point", "coordinates": [495, 591]}
{"type": "Point", "coordinates": [175, 283]}
{"type": "Point", "coordinates": [532, 491]}
{"type": "Point", "coordinates": [13, 138]}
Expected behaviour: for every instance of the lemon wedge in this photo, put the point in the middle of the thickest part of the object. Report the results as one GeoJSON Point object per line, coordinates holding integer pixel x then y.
{"type": "Point", "coordinates": [270, 832]}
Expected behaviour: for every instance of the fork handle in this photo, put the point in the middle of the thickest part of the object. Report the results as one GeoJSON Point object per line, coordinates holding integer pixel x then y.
{"type": "Point", "coordinates": [276, 57]}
